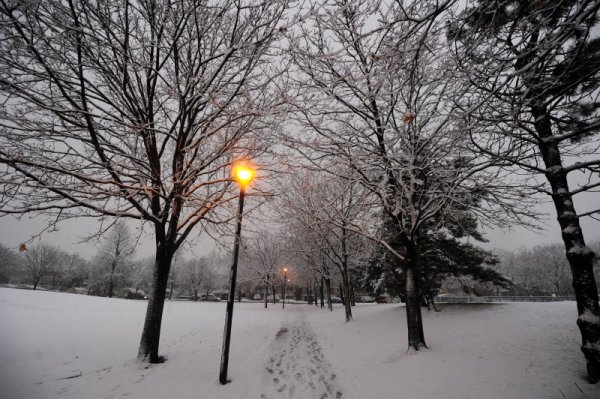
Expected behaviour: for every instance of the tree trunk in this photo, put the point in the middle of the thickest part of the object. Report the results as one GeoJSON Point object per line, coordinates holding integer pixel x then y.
{"type": "Point", "coordinates": [345, 288]}
{"type": "Point", "coordinates": [316, 292]}
{"type": "Point", "coordinates": [266, 294]}
{"type": "Point", "coordinates": [111, 280]}
{"type": "Point", "coordinates": [352, 299]}
{"type": "Point", "coordinates": [328, 290]}
{"type": "Point", "coordinates": [414, 319]}
{"type": "Point", "coordinates": [580, 257]}
{"type": "Point", "coordinates": [273, 290]}
{"type": "Point", "coordinates": [172, 284]}
{"type": "Point", "coordinates": [322, 294]}
{"type": "Point", "coordinates": [435, 309]}
{"type": "Point", "coordinates": [148, 350]}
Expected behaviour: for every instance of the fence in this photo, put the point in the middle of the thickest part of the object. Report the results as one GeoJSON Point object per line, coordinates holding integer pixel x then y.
{"type": "Point", "coordinates": [488, 299]}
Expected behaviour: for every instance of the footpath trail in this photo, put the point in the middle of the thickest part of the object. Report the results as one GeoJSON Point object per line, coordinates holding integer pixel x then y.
{"type": "Point", "coordinates": [296, 366]}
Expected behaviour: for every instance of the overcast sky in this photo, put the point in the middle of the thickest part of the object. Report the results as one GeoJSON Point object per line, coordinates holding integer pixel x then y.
{"type": "Point", "coordinates": [14, 232]}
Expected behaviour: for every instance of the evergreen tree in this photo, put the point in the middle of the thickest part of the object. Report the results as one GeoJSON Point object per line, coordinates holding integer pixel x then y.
{"type": "Point", "coordinates": [444, 253]}
{"type": "Point", "coordinates": [534, 67]}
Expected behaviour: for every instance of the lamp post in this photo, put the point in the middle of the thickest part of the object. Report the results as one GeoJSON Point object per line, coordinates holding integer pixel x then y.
{"type": "Point", "coordinates": [243, 175]}
{"type": "Point", "coordinates": [284, 281]}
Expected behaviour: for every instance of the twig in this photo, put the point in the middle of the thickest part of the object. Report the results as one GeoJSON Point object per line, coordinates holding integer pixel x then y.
{"type": "Point", "coordinates": [71, 376]}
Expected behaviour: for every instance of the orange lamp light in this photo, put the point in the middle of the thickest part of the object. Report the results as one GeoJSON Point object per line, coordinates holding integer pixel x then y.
{"type": "Point", "coordinates": [243, 174]}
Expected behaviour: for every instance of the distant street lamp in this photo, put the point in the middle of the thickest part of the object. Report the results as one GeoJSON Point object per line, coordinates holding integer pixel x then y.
{"type": "Point", "coordinates": [243, 175]}
{"type": "Point", "coordinates": [284, 281]}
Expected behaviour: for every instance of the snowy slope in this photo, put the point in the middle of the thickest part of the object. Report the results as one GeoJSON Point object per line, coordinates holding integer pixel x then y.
{"type": "Point", "coordinates": [513, 350]}
{"type": "Point", "coordinates": [55, 345]}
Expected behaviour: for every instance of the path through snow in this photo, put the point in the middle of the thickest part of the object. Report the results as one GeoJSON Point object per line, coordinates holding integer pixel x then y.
{"type": "Point", "coordinates": [296, 367]}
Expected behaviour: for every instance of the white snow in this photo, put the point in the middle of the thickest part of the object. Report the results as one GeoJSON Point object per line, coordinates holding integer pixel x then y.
{"type": "Point", "coordinates": [589, 317]}
{"type": "Point", "coordinates": [554, 169]}
{"type": "Point", "coordinates": [580, 250]}
{"type": "Point", "coordinates": [55, 345]}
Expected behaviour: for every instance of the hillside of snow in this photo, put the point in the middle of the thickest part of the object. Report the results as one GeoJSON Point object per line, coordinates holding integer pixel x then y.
{"type": "Point", "coordinates": [55, 345]}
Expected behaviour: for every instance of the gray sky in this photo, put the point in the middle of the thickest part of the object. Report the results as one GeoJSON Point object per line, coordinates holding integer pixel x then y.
{"type": "Point", "coordinates": [13, 232]}
{"type": "Point", "coordinates": [69, 234]}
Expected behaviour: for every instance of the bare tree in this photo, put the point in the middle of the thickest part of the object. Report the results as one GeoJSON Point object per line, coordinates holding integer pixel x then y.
{"type": "Point", "coordinates": [193, 274]}
{"type": "Point", "coordinates": [9, 264]}
{"type": "Point", "coordinates": [40, 260]}
{"type": "Point", "coordinates": [380, 104]}
{"type": "Point", "coordinates": [132, 109]}
{"type": "Point", "coordinates": [535, 74]}
{"type": "Point", "coordinates": [321, 211]}
{"type": "Point", "coordinates": [72, 271]}
{"type": "Point", "coordinates": [541, 270]}
{"type": "Point", "coordinates": [140, 274]}
{"type": "Point", "coordinates": [264, 254]}
{"type": "Point", "coordinates": [115, 254]}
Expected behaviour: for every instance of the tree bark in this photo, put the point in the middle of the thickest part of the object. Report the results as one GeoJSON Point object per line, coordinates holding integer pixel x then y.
{"type": "Point", "coordinates": [414, 319]}
{"type": "Point", "coordinates": [172, 284]}
{"type": "Point", "coordinates": [580, 257]}
{"type": "Point", "coordinates": [111, 280]}
{"type": "Point", "coordinates": [266, 295]}
{"type": "Point", "coordinates": [322, 294]}
{"type": "Point", "coordinates": [328, 290]}
{"type": "Point", "coordinates": [346, 294]}
{"type": "Point", "coordinates": [148, 350]}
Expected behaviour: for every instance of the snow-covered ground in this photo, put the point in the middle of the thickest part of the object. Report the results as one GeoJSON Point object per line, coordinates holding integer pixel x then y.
{"type": "Point", "coordinates": [55, 345]}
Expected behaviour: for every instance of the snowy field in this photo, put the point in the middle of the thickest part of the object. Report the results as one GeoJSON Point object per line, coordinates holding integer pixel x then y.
{"type": "Point", "coordinates": [55, 345]}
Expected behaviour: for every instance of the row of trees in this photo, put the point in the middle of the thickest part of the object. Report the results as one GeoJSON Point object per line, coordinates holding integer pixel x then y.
{"type": "Point", "coordinates": [541, 270]}
{"type": "Point", "coordinates": [429, 117]}
{"type": "Point", "coordinates": [112, 269]}
{"type": "Point", "coordinates": [433, 110]}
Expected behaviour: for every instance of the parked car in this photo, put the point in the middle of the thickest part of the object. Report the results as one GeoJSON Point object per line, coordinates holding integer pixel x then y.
{"type": "Point", "coordinates": [366, 299]}
{"type": "Point", "coordinates": [336, 299]}
{"type": "Point", "coordinates": [383, 299]}
{"type": "Point", "coordinates": [208, 298]}
{"type": "Point", "coordinates": [221, 294]}
{"type": "Point", "coordinates": [270, 298]}
{"type": "Point", "coordinates": [132, 293]}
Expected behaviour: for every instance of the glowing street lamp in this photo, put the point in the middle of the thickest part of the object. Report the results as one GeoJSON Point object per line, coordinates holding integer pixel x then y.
{"type": "Point", "coordinates": [284, 281]}
{"type": "Point", "coordinates": [243, 175]}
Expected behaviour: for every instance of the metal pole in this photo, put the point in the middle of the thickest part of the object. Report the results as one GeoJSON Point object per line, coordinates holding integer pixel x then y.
{"type": "Point", "coordinates": [230, 299]}
{"type": "Point", "coordinates": [284, 281]}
